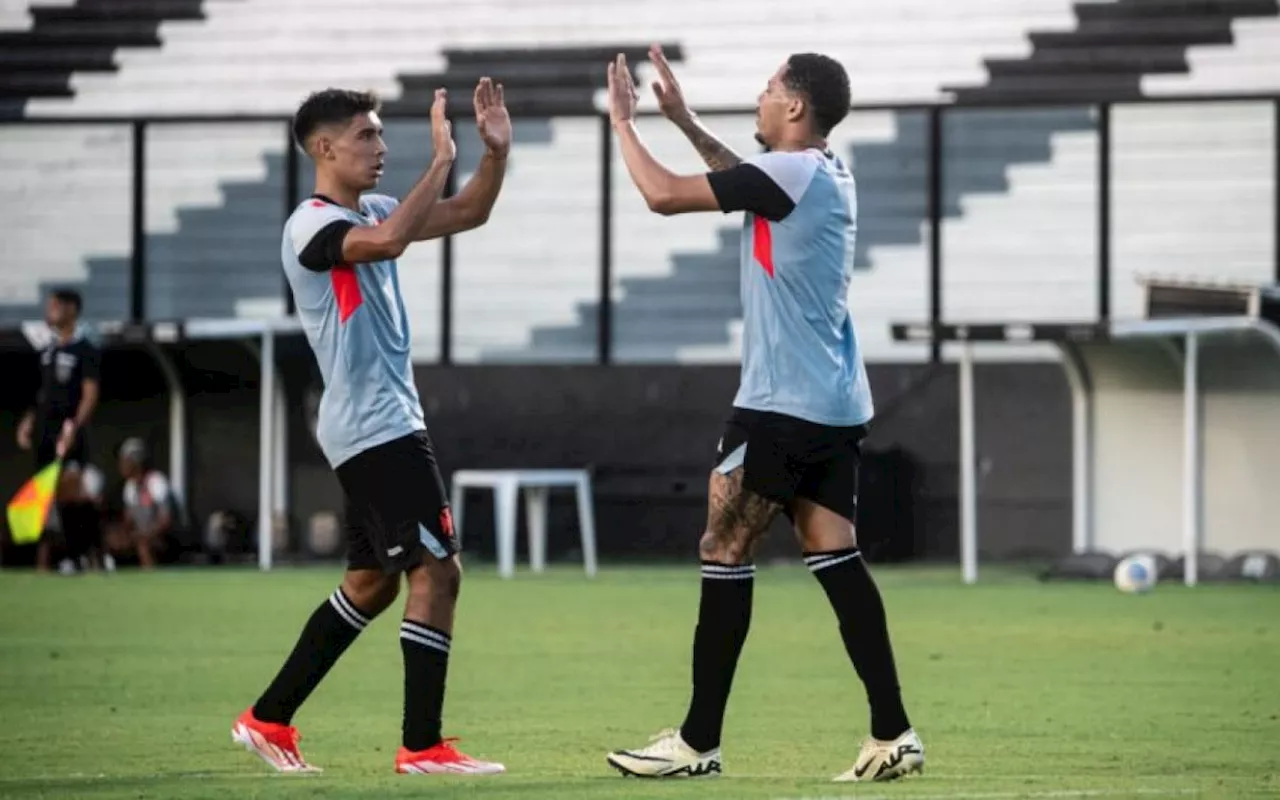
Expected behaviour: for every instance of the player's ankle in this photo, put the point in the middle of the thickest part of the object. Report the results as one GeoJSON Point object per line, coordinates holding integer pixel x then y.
{"type": "Point", "coordinates": [268, 715]}
{"type": "Point", "coordinates": [699, 741]}
{"type": "Point", "coordinates": [888, 727]}
{"type": "Point", "coordinates": [419, 744]}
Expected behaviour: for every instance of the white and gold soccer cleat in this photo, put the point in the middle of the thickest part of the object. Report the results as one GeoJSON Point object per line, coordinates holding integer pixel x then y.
{"type": "Point", "coordinates": [886, 761]}
{"type": "Point", "coordinates": [667, 757]}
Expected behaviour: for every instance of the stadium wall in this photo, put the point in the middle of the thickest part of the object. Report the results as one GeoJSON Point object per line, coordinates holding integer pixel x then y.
{"type": "Point", "coordinates": [648, 432]}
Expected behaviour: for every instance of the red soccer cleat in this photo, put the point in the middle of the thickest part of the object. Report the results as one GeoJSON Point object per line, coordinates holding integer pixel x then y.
{"type": "Point", "coordinates": [274, 743]}
{"type": "Point", "coordinates": [443, 758]}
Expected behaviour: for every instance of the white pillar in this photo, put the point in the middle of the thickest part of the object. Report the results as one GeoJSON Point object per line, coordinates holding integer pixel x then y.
{"type": "Point", "coordinates": [280, 456]}
{"type": "Point", "coordinates": [968, 469]}
{"type": "Point", "coordinates": [1192, 461]}
{"type": "Point", "coordinates": [177, 422]}
{"type": "Point", "coordinates": [1081, 448]}
{"type": "Point", "coordinates": [178, 444]}
{"type": "Point", "coordinates": [266, 416]}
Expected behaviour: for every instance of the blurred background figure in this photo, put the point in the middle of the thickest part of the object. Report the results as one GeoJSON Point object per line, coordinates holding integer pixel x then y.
{"type": "Point", "coordinates": [55, 426]}
{"type": "Point", "coordinates": [145, 525]}
{"type": "Point", "coordinates": [76, 541]}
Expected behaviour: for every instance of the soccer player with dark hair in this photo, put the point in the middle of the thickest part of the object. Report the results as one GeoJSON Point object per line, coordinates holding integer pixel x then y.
{"type": "Point", "coordinates": [792, 441]}
{"type": "Point", "coordinates": [56, 428]}
{"type": "Point", "coordinates": [339, 251]}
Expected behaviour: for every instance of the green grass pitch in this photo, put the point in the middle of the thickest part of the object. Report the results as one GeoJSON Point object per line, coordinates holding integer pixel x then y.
{"type": "Point", "coordinates": [125, 686]}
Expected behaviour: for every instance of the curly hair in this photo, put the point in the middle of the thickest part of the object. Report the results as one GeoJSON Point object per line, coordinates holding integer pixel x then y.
{"type": "Point", "coordinates": [825, 83]}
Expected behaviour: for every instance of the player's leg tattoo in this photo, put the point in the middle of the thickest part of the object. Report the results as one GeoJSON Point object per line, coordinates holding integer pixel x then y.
{"type": "Point", "coordinates": [831, 553]}
{"type": "Point", "coordinates": [736, 518]}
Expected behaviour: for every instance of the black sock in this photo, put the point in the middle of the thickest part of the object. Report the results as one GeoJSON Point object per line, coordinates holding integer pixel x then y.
{"type": "Point", "coordinates": [326, 636]}
{"type": "Point", "coordinates": [426, 662]}
{"type": "Point", "coordinates": [724, 616]}
{"type": "Point", "coordinates": [856, 601]}
{"type": "Point", "coordinates": [78, 521]}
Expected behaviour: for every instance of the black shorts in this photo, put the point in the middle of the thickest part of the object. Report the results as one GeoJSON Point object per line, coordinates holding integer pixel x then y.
{"type": "Point", "coordinates": [784, 458]}
{"type": "Point", "coordinates": [394, 506]}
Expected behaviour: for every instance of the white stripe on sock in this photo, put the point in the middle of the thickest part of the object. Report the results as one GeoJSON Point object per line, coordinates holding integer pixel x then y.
{"type": "Point", "coordinates": [725, 569]}
{"type": "Point", "coordinates": [746, 574]}
{"type": "Point", "coordinates": [831, 561]}
{"type": "Point", "coordinates": [422, 630]}
{"type": "Point", "coordinates": [424, 641]}
{"type": "Point", "coordinates": [809, 559]}
{"type": "Point", "coordinates": [351, 609]}
{"type": "Point", "coordinates": [812, 557]}
{"type": "Point", "coordinates": [342, 612]}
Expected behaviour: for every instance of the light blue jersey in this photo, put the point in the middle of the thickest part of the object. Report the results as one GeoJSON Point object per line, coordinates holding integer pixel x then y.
{"type": "Point", "coordinates": [355, 321]}
{"type": "Point", "coordinates": [800, 354]}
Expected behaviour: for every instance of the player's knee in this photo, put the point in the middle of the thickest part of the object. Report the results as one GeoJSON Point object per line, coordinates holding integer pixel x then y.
{"type": "Point", "coordinates": [371, 593]}
{"type": "Point", "coordinates": [446, 578]}
{"type": "Point", "coordinates": [384, 595]}
{"type": "Point", "coordinates": [723, 547]}
{"type": "Point", "coordinates": [438, 580]}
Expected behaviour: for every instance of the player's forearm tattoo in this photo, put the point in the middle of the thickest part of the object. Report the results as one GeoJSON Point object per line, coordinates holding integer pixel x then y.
{"type": "Point", "coordinates": [716, 153]}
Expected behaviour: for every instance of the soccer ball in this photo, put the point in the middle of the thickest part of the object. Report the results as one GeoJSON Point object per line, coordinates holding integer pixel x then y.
{"type": "Point", "coordinates": [1136, 573]}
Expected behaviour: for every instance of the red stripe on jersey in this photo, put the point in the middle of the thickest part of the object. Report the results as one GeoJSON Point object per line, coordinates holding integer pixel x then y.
{"type": "Point", "coordinates": [763, 244]}
{"type": "Point", "coordinates": [317, 204]}
{"type": "Point", "coordinates": [346, 290]}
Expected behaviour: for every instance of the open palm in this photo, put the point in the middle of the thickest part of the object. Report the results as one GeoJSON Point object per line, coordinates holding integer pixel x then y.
{"type": "Point", "coordinates": [666, 88]}
{"type": "Point", "coordinates": [492, 119]}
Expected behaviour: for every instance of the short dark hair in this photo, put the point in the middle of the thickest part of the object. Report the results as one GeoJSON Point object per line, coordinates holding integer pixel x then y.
{"type": "Point", "coordinates": [330, 107]}
{"type": "Point", "coordinates": [824, 82]}
{"type": "Point", "coordinates": [69, 296]}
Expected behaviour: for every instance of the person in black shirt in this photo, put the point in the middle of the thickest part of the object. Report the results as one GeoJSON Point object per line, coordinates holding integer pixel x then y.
{"type": "Point", "coordinates": [56, 426]}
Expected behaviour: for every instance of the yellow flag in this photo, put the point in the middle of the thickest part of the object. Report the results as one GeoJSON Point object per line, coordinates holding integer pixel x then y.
{"type": "Point", "coordinates": [30, 506]}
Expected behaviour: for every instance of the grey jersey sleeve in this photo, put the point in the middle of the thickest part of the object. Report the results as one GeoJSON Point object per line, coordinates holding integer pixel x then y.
{"type": "Point", "coordinates": [380, 205]}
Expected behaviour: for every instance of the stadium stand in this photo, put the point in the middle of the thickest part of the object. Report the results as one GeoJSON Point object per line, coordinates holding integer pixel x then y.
{"type": "Point", "coordinates": [55, 40]}
{"type": "Point", "coordinates": [1247, 66]}
{"type": "Point", "coordinates": [215, 215]}
{"type": "Point", "coordinates": [1112, 48]}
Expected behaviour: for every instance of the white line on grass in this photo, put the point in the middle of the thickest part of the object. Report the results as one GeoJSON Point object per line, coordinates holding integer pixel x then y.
{"type": "Point", "coordinates": [147, 776]}
{"type": "Point", "coordinates": [1056, 794]}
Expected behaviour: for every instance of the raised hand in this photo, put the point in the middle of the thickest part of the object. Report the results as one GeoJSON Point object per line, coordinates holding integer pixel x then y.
{"type": "Point", "coordinates": [492, 119]}
{"type": "Point", "coordinates": [622, 91]}
{"type": "Point", "coordinates": [667, 89]}
{"type": "Point", "coordinates": [443, 147]}
{"type": "Point", "coordinates": [25, 429]}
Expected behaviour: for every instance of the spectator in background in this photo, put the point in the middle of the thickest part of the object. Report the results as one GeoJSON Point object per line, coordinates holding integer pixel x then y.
{"type": "Point", "coordinates": [83, 491]}
{"type": "Point", "coordinates": [148, 505]}
{"type": "Point", "coordinates": [89, 492]}
{"type": "Point", "coordinates": [56, 426]}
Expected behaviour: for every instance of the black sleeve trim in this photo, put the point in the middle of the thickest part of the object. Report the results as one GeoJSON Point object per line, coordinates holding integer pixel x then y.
{"type": "Point", "coordinates": [324, 251]}
{"type": "Point", "coordinates": [746, 187]}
